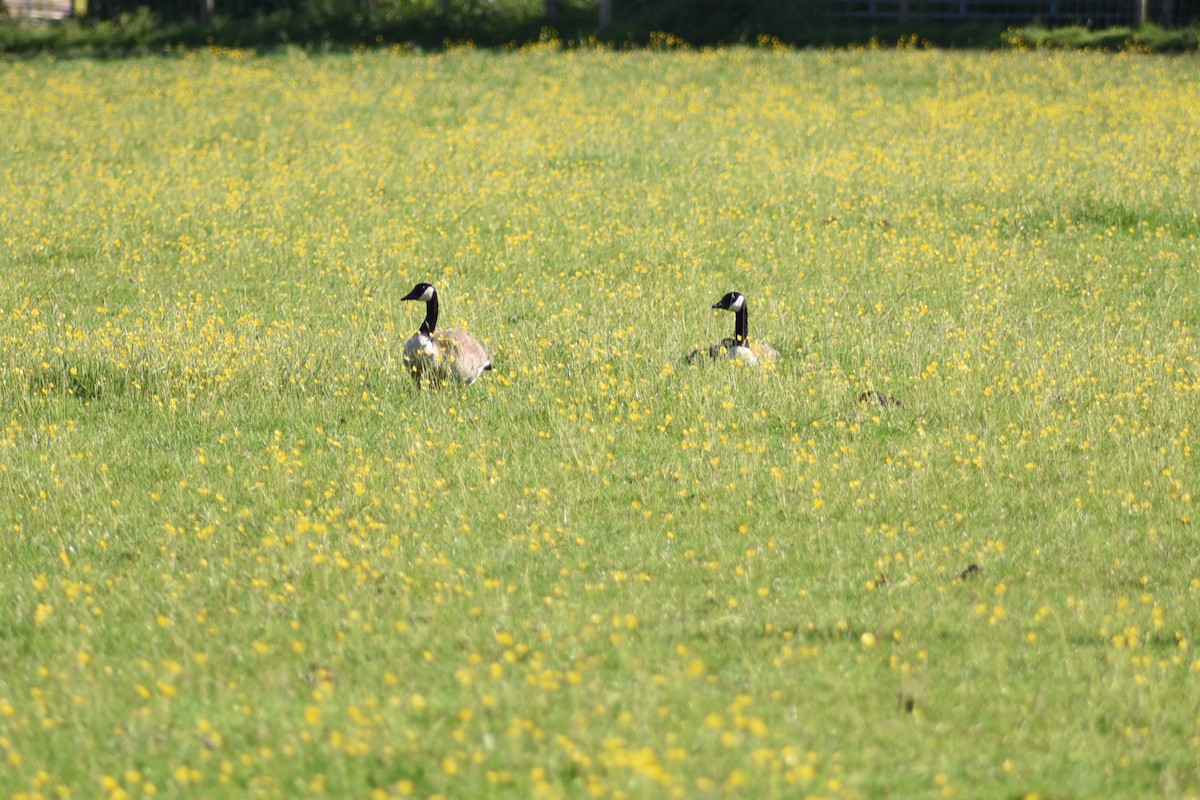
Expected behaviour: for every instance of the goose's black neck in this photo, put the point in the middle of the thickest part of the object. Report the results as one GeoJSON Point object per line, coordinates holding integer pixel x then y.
{"type": "Point", "coordinates": [431, 315]}
{"type": "Point", "coordinates": [741, 326]}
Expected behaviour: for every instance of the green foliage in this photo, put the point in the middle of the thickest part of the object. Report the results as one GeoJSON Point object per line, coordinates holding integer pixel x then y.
{"type": "Point", "coordinates": [1147, 38]}
{"type": "Point", "coordinates": [430, 24]}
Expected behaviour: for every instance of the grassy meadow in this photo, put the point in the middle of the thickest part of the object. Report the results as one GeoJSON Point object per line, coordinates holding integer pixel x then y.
{"type": "Point", "coordinates": [241, 554]}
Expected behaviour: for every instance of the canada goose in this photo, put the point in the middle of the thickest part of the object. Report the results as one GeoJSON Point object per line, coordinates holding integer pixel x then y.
{"type": "Point", "coordinates": [740, 347]}
{"type": "Point", "coordinates": [438, 354]}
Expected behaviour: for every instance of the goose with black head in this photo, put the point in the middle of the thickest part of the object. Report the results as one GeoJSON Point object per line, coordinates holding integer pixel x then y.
{"type": "Point", "coordinates": [438, 355]}
{"type": "Point", "coordinates": [739, 347]}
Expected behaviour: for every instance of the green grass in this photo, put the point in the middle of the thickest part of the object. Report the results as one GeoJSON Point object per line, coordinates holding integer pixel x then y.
{"type": "Point", "coordinates": [243, 555]}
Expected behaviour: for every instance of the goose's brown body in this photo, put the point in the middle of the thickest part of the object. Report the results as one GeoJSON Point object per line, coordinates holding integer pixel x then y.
{"type": "Point", "coordinates": [447, 354]}
{"type": "Point", "coordinates": [751, 353]}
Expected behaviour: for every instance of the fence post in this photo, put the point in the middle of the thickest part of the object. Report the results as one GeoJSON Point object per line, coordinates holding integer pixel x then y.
{"type": "Point", "coordinates": [1139, 13]}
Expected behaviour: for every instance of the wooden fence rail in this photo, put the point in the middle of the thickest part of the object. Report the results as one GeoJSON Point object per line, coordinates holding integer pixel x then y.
{"type": "Point", "coordinates": [1096, 13]}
